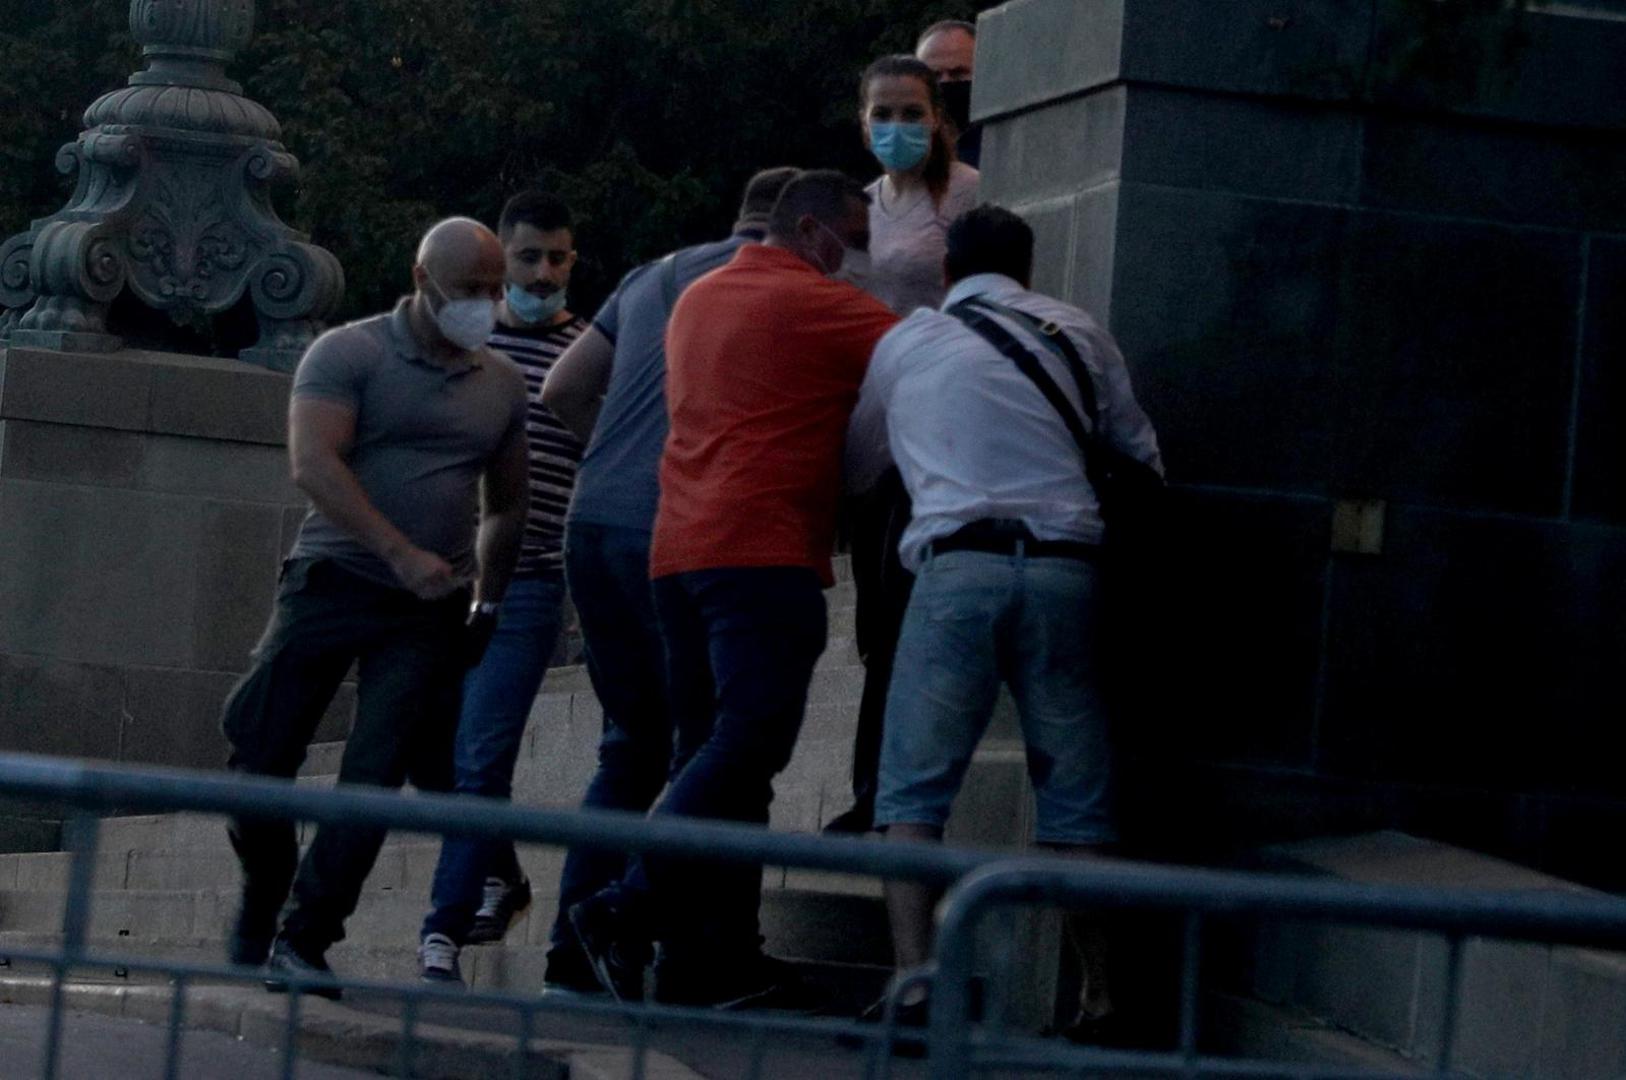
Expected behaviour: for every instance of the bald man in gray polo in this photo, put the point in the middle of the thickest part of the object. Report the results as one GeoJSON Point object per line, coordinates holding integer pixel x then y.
{"type": "Point", "coordinates": [408, 436]}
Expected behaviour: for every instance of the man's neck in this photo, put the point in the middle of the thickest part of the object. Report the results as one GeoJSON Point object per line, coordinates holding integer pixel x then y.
{"type": "Point", "coordinates": [421, 321]}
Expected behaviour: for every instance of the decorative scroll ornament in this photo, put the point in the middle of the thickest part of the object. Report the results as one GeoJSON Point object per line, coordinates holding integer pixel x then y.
{"type": "Point", "coordinates": [172, 204]}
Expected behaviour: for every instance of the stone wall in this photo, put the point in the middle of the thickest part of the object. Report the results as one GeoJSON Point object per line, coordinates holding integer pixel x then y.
{"type": "Point", "coordinates": [144, 510]}
{"type": "Point", "coordinates": [1368, 270]}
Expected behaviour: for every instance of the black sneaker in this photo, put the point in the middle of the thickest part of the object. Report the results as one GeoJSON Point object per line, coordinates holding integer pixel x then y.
{"type": "Point", "coordinates": [617, 964]}
{"type": "Point", "coordinates": [247, 952]}
{"type": "Point", "coordinates": [760, 982]}
{"type": "Point", "coordinates": [287, 960]}
{"type": "Point", "coordinates": [437, 960]}
{"type": "Point", "coordinates": [501, 906]}
{"type": "Point", "coordinates": [568, 974]}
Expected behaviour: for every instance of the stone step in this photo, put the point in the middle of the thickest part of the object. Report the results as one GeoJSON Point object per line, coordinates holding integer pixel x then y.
{"type": "Point", "coordinates": [848, 931]}
{"type": "Point", "coordinates": [1525, 1009]}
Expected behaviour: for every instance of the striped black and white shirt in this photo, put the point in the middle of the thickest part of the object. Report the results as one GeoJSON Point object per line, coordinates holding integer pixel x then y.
{"type": "Point", "coordinates": [555, 452]}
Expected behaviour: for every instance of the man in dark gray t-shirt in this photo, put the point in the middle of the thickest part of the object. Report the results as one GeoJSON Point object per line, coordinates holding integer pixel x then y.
{"type": "Point", "coordinates": [408, 436]}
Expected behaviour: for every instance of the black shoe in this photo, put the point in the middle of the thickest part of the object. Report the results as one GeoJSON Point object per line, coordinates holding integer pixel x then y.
{"type": "Point", "coordinates": [856, 821]}
{"type": "Point", "coordinates": [568, 974]}
{"type": "Point", "coordinates": [501, 907]}
{"type": "Point", "coordinates": [288, 960]}
{"type": "Point", "coordinates": [247, 952]}
{"type": "Point", "coordinates": [909, 1021]}
{"type": "Point", "coordinates": [1109, 1031]}
{"type": "Point", "coordinates": [616, 963]}
{"type": "Point", "coordinates": [760, 982]}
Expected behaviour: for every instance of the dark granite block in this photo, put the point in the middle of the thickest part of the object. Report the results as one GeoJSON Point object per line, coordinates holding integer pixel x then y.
{"type": "Point", "coordinates": [1229, 653]}
{"type": "Point", "coordinates": [1064, 148]}
{"type": "Point", "coordinates": [220, 400]}
{"type": "Point", "coordinates": [1479, 651]}
{"type": "Point", "coordinates": [172, 717]}
{"type": "Point", "coordinates": [1600, 447]}
{"type": "Point", "coordinates": [70, 454]}
{"type": "Point", "coordinates": [1455, 346]}
{"type": "Point", "coordinates": [97, 390]}
{"type": "Point", "coordinates": [100, 575]}
{"type": "Point", "coordinates": [59, 708]}
{"type": "Point", "coordinates": [238, 556]}
{"type": "Point", "coordinates": [1485, 169]}
{"type": "Point", "coordinates": [1094, 251]}
{"type": "Point", "coordinates": [1249, 146]}
{"type": "Point", "coordinates": [1553, 68]}
{"type": "Point", "coordinates": [1300, 48]}
{"type": "Point", "coordinates": [1053, 226]}
{"type": "Point", "coordinates": [1226, 309]}
{"type": "Point", "coordinates": [1081, 41]}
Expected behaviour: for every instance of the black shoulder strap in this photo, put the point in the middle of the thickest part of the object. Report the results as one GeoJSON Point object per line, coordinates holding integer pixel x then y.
{"type": "Point", "coordinates": [1003, 340]}
{"type": "Point", "coordinates": [669, 282]}
{"type": "Point", "coordinates": [1054, 338]}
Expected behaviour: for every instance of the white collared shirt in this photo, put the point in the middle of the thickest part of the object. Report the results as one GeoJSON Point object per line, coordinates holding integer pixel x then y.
{"type": "Point", "coordinates": [973, 437]}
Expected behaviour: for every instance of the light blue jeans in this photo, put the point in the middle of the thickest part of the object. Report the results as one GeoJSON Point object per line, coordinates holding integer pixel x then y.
{"type": "Point", "coordinates": [976, 620]}
{"type": "Point", "coordinates": [497, 697]}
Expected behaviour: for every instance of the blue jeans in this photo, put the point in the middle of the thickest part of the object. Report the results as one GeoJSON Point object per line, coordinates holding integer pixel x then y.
{"type": "Point", "coordinates": [977, 619]}
{"type": "Point", "coordinates": [497, 698]}
{"type": "Point", "coordinates": [741, 644]}
{"type": "Point", "coordinates": [608, 571]}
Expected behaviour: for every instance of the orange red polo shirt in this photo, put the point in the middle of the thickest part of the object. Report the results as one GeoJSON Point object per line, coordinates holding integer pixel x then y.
{"type": "Point", "coordinates": [764, 357]}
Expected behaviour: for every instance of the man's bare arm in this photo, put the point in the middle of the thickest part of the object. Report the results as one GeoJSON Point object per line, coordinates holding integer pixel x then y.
{"type": "Point", "coordinates": [505, 498]}
{"type": "Point", "coordinates": [574, 389]}
{"type": "Point", "coordinates": [320, 434]}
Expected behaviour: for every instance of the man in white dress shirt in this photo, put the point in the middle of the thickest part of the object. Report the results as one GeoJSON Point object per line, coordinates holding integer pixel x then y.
{"type": "Point", "coordinates": [1005, 540]}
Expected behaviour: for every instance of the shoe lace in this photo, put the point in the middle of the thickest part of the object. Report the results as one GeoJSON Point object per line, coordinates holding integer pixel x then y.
{"type": "Point", "coordinates": [438, 951]}
{"type": "Point", "coordinates": [491, 898]}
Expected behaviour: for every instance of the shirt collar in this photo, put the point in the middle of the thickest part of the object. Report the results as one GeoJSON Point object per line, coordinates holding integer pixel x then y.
{"type": "Point", "coordinates": [993, 286]}
{"type": "Point", "coordinates": [408, 348]}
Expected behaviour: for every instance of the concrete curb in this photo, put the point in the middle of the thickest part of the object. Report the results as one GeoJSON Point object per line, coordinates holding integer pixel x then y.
{"type": "Point", "coordinates": [332, 1034]}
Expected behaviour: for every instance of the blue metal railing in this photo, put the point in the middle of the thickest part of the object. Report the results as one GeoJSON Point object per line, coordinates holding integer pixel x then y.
{"type": "Point", "coordinates": [975, 880]}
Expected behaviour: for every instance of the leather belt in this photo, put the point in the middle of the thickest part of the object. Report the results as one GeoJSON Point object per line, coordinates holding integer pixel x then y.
{"type": "Point", "coordinates": [996, 536]}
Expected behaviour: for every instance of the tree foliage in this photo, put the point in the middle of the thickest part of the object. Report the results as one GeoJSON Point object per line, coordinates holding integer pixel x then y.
{"type": "Point", "coordinates": [646, 115]}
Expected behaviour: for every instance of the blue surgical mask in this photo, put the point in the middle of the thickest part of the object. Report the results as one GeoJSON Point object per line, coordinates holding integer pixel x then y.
{"type": "Point", "coordinates": [531, 308]}
{"type": "Point", "coordinates": [899, 147]}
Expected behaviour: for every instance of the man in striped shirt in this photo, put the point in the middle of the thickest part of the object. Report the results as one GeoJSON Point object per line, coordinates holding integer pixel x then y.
{"type": "Point", "coordinates": [479, 887]}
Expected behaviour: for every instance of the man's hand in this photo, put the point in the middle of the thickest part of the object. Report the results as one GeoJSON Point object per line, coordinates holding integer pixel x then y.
{"type": "Point", "coordinates": [429, 576]}
{"type": "Point", "coordinates": [477, 635]}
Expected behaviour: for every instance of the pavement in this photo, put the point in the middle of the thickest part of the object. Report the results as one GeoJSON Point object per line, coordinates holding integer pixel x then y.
{"type": "Point", "coordinates": [236, 1032]}
{"type": "Point", "coordinates": [101, 1046]}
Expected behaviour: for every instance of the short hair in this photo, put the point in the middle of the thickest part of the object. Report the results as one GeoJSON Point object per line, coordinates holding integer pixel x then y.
{"type": "Point", "coordinates": [541, 210]}
{"type": "Point", "coordinates": [825, 194]}
{"type": "Point", "coordinates": [762, 191]}
{"type": "Point", "coordinates": [943, 26]}
{"type": "Point", "coordinates": [989, 240]}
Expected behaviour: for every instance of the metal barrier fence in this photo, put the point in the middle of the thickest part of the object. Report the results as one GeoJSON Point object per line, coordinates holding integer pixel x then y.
{"type": "Point", "coordinates": [954, 1046]}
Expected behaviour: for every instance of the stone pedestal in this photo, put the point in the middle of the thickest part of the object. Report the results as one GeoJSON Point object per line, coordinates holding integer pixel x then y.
{"type": "Point", "coordinates": [1366, 262]}
{"type": "Point", "coordinates": [144, 510]}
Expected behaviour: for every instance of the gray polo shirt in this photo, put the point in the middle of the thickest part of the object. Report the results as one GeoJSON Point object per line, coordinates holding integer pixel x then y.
{"type": "Point", "coordinates": [424, 435]}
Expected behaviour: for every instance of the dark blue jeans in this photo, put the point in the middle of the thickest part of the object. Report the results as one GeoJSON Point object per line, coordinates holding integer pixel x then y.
{"type": "Point", "coordinates": [406, 710]}
{"type": "Point", "coordinates": [497, 697]}
{"type": "Point", "coordinates": [608, 572]}
{"type": "Point", "coordinates": [741, 645]}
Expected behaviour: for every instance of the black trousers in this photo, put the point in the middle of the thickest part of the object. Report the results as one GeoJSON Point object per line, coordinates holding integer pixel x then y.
{"type": "Point", "coordinates": [409, 687]}
{"type": "Point", "coordinates": [883, 586]}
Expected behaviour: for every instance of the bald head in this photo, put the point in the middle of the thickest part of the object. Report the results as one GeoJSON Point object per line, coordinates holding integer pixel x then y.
{"type": "Point", "coordinates": [460, 259]}
{"type": "Point", "coordinates": [458, 246]}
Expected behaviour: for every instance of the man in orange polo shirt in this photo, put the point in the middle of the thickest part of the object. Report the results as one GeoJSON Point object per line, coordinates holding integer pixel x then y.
{"type": "Point", "coordinates": [764, 360]}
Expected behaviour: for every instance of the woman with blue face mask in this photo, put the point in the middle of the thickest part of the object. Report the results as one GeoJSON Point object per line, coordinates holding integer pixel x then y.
{"type": "Point", "coordinates": [922, 187]}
